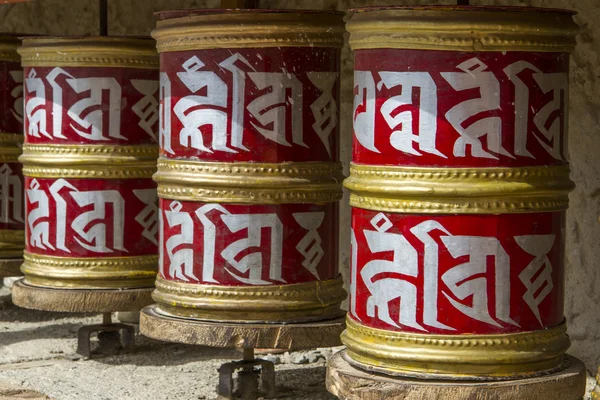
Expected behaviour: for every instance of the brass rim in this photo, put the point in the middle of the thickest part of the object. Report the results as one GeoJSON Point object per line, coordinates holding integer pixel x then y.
{"type": "Point", "coordinates": [462, 356]}
{"type": "Point", "coordinates": [82, 273]}
{"type": "Point", "coordinates": [9, 154]}
{"type": "Point", "coordinates": [10, 147]}
{"type": "Point", "coordinates": [88, 52]}
{"type": "Point", "coordinates": [89, 161]}
{"type": "Point", "coordinates": [12, 238]}
{"type": "Point", "coordinates": [249, 183]}
{"type": "Point", "coordinates": [459, 190]}
{"type": "Point", "coordinates": [457, 30]}
{"type": "Point", "coordinates": [12, 243]}
{"type": "Point", "coordinates": [77, 154]}
{"type": "Point", "coordinates": [11, 138]}
{"type": "Point", "coordinates": [8, 48]}
{"type": "Point", "coordinates": [243, 30]}
{"type": "Point", "coordinates": [295, 302]}
{"type": "Point", "coordinates": [140, 170]}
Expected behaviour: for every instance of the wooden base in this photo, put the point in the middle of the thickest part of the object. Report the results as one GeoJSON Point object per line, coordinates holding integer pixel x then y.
{"type": "Point", "coordinates": [349, 383]}
{"type": "Point", "coordinates": [156, 324]}
{"type": "Point", "coordinates": [80, 300]}
{"type": "Point", "coordinates": [10, 267]}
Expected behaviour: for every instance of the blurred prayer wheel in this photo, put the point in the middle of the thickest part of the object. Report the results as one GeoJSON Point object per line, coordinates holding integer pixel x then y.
{"type": "Point", "coordinates": [12, 236]}
{"type": "Point", "coordinates": [248, 175]}
{"type": "Point", "coordinates": [91, 121]}
{"type": "Point", "coordinates": [459, 186]}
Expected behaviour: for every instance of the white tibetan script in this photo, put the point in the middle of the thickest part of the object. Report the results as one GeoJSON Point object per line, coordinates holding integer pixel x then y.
{"type": "Point", "coordinates": [465, 285]}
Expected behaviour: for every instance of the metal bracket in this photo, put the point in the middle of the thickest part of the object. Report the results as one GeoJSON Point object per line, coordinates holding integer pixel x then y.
{"type": "Point", "coordinates": [252, 382]}
{"type": "Point", "coordinates": [125, 333]}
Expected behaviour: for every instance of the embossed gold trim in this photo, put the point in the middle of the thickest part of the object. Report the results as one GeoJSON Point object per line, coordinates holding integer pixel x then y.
{"type": "Point", "coordinates": [81, 273]}
{"type": "Point", "coordinates": [12, 243]}
{"type": "Point", "coordinates": [9, 154]}
{"type": "Point", "coordinates": [142, 170]}
{"type": "Point", "coordinates": [12, 252]}
{"type": "Point", "coordinates": [89, 161]}
{"type": "Point", "coordinates": [254, 183]}
{"type": "Point", "coordinates": [274, 303]}
{"type": "Point", "coordinates": [12, 237]}
{"type": "Point", "coordinates": [79, 154]}
{"type": "Point", "coordinates": [459, 190]}
{"type": "Point", "coordinates": [92, 51]}
{"type": "Point", "coordinates": [462, 356]}
{"type": "Point", "coordinates": [11, 138]}
{"type": "Point", "coordinates": [243, 29]}
{"type": "Point", "coordinates": [453, 28]}
{"type": "Point", "coordinates": [8, 48]}
{"type": "Point", "coordinates": [10, 147]}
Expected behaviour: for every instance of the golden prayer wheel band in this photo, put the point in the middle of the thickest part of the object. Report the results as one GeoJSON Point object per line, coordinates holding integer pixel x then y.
{"type": "Point", "coordinates": [459, 190]}
{"type": "Point", "coordinates": [9, 154]}
{"type": "Point", "coordinates": [12, 237]}
{"type": "Point", "coordinates": [300, 302]}
{"type": "Point", "coordinates": [10, 147]}
{"type": "Point", "coordinates": [88, 52]}
{"type": "Point", "coordinates": [75, 154]}
{"type": "Point", "coordinates": [253, 183]}
{"type": "Point", "coordinates": [12, 240]}
{"type": "Point", "coordinates": [500, 356]}
{"type": "Point", "coordinates": [469, 28]}
{"type": "Point", "coordinates": [12, 251]}
{"type": "Point", "coordinates": [89, 161]}
{"type": "Point", "coordinates": [12, 243]}
{"type": "Point", "coordinates": [10, 138]}
{"type": "Point", "coordinates": [141, 170]}
{"type": "Point", "coordinates": [87, 273]}
{"type": "Point", "coordinates": [8, 48]}
{"type": "Point", "coordinates": [206, 29]}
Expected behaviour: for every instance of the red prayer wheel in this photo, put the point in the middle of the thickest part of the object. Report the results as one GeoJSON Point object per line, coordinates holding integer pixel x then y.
{"type": "Point", "coordinates": [459, 185]}
{"type": "Point", "coordinates": [12, 227]}
{"type": "Point", "coordinates": [91, 122]}
{"type": "Point", "coordinates": [249, 174]}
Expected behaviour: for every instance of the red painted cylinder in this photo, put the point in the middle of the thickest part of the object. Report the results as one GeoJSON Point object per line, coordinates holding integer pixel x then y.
{"type": "Point", "coordinates": [459, 187]}
{"type": "Point", "coordinates": [249, 173]}
{"type": "Point", "coordinates": [91, 121]}
{"type": "Point", "coordinates": [11, 178]}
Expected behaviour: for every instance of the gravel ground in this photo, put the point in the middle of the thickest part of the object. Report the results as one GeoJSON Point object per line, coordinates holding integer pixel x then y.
{"type": "Point", "coordinates": [37, 354]}
{"type": "Point", "coordinates": [38, 361]}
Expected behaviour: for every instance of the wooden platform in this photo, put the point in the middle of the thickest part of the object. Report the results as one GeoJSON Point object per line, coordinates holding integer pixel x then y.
{"type": "Point", "coordinates": [80, 300]}
{"type": "Point", "coordinates": [349, 383]}
{"type": "Point", "coordinates": [158, 325]}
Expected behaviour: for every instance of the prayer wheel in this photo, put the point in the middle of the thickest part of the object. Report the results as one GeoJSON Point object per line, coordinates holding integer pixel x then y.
{"type": "Point", "coordinates": [249, 175]}
{"type": "Point", "coordinates": [12, 236]}
{"type": "Point", "coordinates": [459, 185]}
{"type": "Point", "coordinates": [91, 122]}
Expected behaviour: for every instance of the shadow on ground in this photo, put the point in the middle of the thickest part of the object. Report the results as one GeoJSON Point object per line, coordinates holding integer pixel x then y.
{"type": "Point", "coordinates": [150, 352]}
{"type": "Point", "coordinates": [302, 383]}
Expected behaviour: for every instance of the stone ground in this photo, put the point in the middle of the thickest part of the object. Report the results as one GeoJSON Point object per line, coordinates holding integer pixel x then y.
{"type": "Point", "coordinates": [38, 361]}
